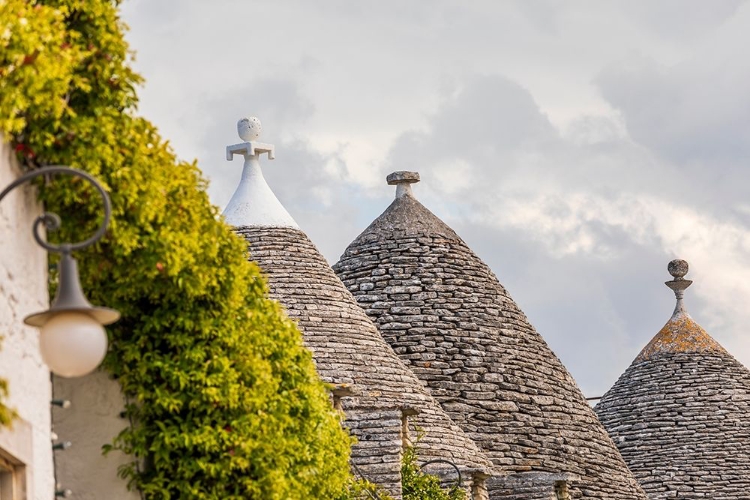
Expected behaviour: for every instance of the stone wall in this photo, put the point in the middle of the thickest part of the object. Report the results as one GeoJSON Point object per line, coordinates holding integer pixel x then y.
{"type": "Point", "coordinates": [23, 290]}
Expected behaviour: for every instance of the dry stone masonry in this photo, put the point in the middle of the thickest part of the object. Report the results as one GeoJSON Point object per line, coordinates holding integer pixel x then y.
{"type": "Point", "coordinates": [349, 352]}
{"type": "Point", "coordinates": [680, 414]}
{"type": "Point", "coordinates": [449, 319]}
{"type": "Point", "coordinates": [385, 405]}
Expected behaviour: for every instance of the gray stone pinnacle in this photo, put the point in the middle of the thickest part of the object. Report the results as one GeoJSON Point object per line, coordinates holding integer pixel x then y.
{"type": "Point", "coordinates": [403, 181]}
{"type": "Point", "coordinates": [678, 268]}
{"type": "Point", "coordinates": [402, 177]}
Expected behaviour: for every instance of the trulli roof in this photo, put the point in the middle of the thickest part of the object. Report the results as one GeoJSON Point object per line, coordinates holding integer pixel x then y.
{"type": "Point", "coordinates": [384, 403]}
{"type": "Point", "coordinates": [447, 316]}
{"type": "Point", "coordinates": [680, 414]}
{"type": "Point", "coordinates": [348, 351]}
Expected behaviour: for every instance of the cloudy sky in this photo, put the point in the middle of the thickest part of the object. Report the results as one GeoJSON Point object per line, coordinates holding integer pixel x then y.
{"type": "Point", "coordinates": [576, 146]}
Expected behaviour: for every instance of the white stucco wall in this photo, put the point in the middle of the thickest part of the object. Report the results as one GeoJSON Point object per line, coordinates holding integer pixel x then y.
{"type": "Point", "coordinates": [23, 290]}
{"type": "Point", "coordinates": [92, 421]}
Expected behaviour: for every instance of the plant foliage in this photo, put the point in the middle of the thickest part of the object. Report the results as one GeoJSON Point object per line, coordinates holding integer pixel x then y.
{"type": "Point", "coordinates": [224, 398]}
{"type": "Point", "coordinates": [6, 414]}
{"type": "Point", "coordinates": [418, 485]}
{"type": "Point", "coordinates": [415, 484]}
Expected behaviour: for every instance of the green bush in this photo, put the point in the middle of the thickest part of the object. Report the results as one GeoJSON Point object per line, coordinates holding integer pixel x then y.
{"type": "Point", "coordinates": [417, 485]}
{"type": "Point", "coordinates": [224, 398]}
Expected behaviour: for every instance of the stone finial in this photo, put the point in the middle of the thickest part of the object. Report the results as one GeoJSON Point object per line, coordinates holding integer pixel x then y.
{"type": "Point", "coordinates": [249, 131]}
{"type": "Point", "coordinates": [403, 181]}
{"type": "Point", "coordinates": [678, 269]}
{"type": "Point", "coordinates": [253, 204]}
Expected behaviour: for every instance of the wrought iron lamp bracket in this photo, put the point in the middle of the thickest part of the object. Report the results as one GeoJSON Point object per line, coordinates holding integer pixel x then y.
{"type": "Point", "coordinates": [459, 480]}
{"type": "Point", "coordinates": [52, 221]}
{"type": "Point", "coordinates": [70, 297]}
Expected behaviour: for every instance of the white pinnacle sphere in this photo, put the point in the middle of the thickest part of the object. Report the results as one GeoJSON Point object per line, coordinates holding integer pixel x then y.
{"type": "Point", "coordinates": [249, 129]}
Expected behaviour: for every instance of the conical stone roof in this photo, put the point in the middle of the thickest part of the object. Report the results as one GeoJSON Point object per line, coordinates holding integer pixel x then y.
{"type": "Point", "coordinates": [680, 414]}
{"type": "Point", "coordinates": [384, 404]}
{"type": "Point", "coordinates": [446, 315]}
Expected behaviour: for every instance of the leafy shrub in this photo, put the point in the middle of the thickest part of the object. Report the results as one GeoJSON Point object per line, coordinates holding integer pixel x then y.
{"type": "Point", "coordinates": [224, 399]}
{"type": "Point", "coordinates": [415, 484]}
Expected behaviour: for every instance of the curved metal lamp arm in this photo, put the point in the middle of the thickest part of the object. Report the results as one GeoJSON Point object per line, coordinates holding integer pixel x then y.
{"type": "Point", "coordinates": [51, 220]}
{"type": "Point", "coordinates": [459, 482]}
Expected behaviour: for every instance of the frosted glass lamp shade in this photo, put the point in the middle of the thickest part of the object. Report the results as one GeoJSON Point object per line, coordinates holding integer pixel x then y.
{"type": "Point", "coordinates": [72, 343]}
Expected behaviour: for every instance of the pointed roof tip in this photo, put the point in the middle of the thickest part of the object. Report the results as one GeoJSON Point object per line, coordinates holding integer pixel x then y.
{"type": "Point", "coordinates": [681, 334]}
{"type": "Point", "coordinates": [406, 214]}
{"type": "Point", "coordinates": [253, 202]}
{"type": "Point", "coordinates": [403, 180]}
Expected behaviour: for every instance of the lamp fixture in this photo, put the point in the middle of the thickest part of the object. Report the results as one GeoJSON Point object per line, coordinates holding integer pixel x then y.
{"type": "Point", "coordinates": [72, 339]}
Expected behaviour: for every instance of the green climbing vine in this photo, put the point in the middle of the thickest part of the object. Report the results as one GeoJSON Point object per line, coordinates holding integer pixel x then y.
{"type": "Point", "coordinates": [224, 397]}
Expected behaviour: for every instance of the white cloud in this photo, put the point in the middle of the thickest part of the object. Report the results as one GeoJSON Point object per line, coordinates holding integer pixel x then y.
{"type": "Point", "coordinates": [590, 194]}
{"type": "Point", "coordinates": [577, 146]}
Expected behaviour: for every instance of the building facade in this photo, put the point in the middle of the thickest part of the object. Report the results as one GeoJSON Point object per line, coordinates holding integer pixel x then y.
{"type": "Point", "coordinates": [26, 456]}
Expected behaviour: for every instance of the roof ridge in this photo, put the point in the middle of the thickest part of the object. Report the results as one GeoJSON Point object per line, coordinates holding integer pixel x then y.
{"type": "Point", "coordinates": [408, 215]}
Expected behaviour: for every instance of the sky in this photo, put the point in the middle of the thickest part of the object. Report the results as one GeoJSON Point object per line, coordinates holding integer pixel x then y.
{"type": "Point", "coordinates": [577, 147]}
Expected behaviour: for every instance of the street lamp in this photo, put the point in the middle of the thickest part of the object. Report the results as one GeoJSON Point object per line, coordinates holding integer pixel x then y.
{"type": "Point", "coordinates": [72, 339]}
